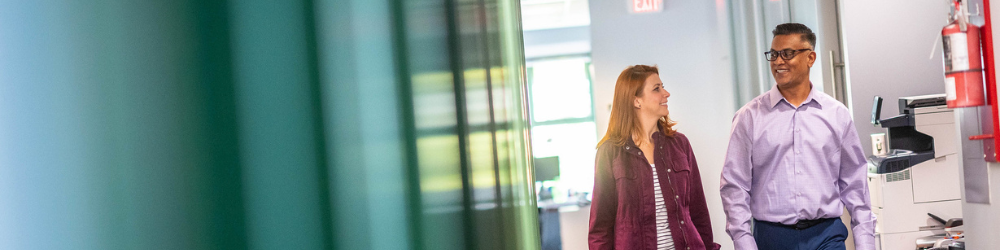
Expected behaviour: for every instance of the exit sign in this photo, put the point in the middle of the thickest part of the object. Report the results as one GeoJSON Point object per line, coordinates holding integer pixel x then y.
{"type": "Point", "coordinates": [646, 6]}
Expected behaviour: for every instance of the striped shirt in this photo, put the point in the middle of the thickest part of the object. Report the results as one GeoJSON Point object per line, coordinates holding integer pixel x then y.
{"type": "Point", "coordinates": [663, 239]}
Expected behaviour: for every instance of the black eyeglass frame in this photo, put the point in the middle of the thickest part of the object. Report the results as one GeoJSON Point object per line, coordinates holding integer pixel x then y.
{"type": "Point", "coordinates": [787, 54]}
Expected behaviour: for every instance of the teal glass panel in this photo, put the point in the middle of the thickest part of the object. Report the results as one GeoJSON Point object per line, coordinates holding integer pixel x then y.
{"type": "Point", "coordinates": [118, 126]}
{"type": "Point", "coordinates": [281, 135]}
{"type": "Point", "coordinates": [303, 124]}
{"type": "Point", "coordinates": [368, 169]}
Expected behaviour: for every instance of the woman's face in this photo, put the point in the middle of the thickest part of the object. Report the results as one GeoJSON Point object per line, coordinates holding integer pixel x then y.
{"type": "Point", "coordinates": [653, 101]}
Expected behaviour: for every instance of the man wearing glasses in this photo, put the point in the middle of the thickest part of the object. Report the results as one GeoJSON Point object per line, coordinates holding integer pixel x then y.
{"type": "Point", "coordinates": [795, 161]}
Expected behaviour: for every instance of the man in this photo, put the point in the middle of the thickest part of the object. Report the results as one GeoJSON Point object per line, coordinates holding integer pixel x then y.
{"type": "Point", "coordinates": [795, 160]}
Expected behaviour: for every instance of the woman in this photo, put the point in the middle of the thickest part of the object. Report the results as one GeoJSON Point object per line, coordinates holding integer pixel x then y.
{"type": "Point", "coordinates": [647, 193]}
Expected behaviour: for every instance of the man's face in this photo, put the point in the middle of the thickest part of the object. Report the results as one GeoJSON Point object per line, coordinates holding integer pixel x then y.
{"type": "Point", "coordinates": [793, 71]}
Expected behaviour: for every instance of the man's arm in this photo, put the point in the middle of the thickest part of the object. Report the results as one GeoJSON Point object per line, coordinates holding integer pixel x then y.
{"type": "Point", "coordinates": [853, 184]}
{"type": "Point", "coordinates": [604, 207]}
{"type": "Point", "coordinates": [737, 174]}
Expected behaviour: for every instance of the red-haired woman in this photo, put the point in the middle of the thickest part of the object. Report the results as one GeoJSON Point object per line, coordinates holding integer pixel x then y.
{"type": "Point", "coordinates": [647, 192]}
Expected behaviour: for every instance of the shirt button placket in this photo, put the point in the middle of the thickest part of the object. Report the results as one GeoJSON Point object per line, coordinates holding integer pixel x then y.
{"type": "Point", "coordinates": [798, 138]}
{"type": "Point", "coordinates": [795, 133]}
{"type": "Point", "coordinates": [795, 158]}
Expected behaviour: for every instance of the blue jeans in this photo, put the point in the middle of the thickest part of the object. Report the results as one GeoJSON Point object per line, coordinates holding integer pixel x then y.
{"type": "Point", "coordinates": [827, 235]}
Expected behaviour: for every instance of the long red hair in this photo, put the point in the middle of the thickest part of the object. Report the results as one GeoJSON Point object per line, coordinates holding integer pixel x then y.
{"type": "Point", "coordinates": [624, 118]}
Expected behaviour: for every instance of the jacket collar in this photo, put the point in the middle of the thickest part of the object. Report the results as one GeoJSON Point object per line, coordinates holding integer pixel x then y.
{"type": "Point", "coordinates": [631, 147]}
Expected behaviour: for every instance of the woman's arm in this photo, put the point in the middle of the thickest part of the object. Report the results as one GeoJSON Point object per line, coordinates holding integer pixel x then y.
{"type": "Point", "coordinates": [699, 208]}
{"type": "Point", "coordinates": [603, 209]}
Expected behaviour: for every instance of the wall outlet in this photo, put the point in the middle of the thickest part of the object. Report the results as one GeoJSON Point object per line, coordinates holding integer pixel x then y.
{"type": "Point", "coordinates": [879, 146]}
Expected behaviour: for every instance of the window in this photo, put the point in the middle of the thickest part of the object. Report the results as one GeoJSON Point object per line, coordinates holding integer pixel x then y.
{"type": "Point", "coordinates": [562, 114]}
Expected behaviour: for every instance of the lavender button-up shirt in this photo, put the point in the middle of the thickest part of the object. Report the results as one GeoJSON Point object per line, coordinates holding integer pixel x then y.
{"type": "Point", "coordinates": [787, 163]}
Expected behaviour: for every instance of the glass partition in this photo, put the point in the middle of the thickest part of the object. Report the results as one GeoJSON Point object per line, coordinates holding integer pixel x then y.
{"type": "Point", "coordinates": [302, 124]}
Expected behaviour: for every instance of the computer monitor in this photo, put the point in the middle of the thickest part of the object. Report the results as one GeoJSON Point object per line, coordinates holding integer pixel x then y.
{"type": "Point", "coordinates": [546, 168]}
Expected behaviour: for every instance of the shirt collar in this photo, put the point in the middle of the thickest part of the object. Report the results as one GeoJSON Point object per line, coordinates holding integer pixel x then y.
{"type": "Point", "coordinates": [775, 96]}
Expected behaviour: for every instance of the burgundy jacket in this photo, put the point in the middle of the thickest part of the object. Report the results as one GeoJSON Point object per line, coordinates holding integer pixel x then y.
{"type": "Point", "coordinates": [622, 215]}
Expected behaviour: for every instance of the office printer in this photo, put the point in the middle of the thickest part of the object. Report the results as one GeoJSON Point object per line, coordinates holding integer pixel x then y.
{"type": "Point", "coordinates": [919, 175]}
{"type": "Point", "coordinates": [907, 145]}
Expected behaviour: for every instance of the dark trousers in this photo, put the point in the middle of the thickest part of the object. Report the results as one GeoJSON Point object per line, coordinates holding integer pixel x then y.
{"type": "Point", "coordinates": [827, 235]}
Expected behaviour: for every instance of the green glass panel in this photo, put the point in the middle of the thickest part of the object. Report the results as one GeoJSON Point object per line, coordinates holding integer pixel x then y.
{"type": "Point", "coordinates": [439, 124]}
{"type": "Point", "coordinates": [303, 124]}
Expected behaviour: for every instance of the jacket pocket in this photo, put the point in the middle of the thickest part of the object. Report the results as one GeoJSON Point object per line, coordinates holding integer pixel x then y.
{"type": "Point", "coordinates": [627, 181]}
{"type": "Point", "coordinates": [623, 171]}
{"type": "Point", "coordinates": [680, 180]}
{"type": "Point", "coordinates": [629, 202]}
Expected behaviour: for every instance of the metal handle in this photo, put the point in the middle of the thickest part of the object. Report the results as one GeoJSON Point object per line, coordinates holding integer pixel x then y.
{"type": "Point", "coordinates": [980, 137]}
{"type": "Point", "coordinates": [833, 76]}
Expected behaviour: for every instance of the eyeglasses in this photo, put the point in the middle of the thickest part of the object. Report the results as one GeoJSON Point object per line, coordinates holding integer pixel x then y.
{"type": "Point", "coordinates": [787, 54]}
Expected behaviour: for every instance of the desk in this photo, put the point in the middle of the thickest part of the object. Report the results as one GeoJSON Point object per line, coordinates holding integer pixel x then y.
{"type": "Point", "coordinates": [549, 223]}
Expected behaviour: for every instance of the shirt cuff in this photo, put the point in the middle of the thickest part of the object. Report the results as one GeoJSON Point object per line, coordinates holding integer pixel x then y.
{"type": "Point", "coordinates": [745, 243]}
{"type": "Point", "coordinates": [864, 242]}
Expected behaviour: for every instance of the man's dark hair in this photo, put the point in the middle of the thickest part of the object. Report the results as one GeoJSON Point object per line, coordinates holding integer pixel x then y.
{"type": "Point", "coordinates": [796, 28]}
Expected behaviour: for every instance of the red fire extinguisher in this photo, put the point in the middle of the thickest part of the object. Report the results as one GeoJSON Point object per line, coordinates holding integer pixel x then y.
{"type": "Point", "coordinates": [963, 67]}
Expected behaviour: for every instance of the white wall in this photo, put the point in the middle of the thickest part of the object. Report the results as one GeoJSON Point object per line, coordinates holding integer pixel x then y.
{"type": "Point", "coordinates": [690, 42]}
